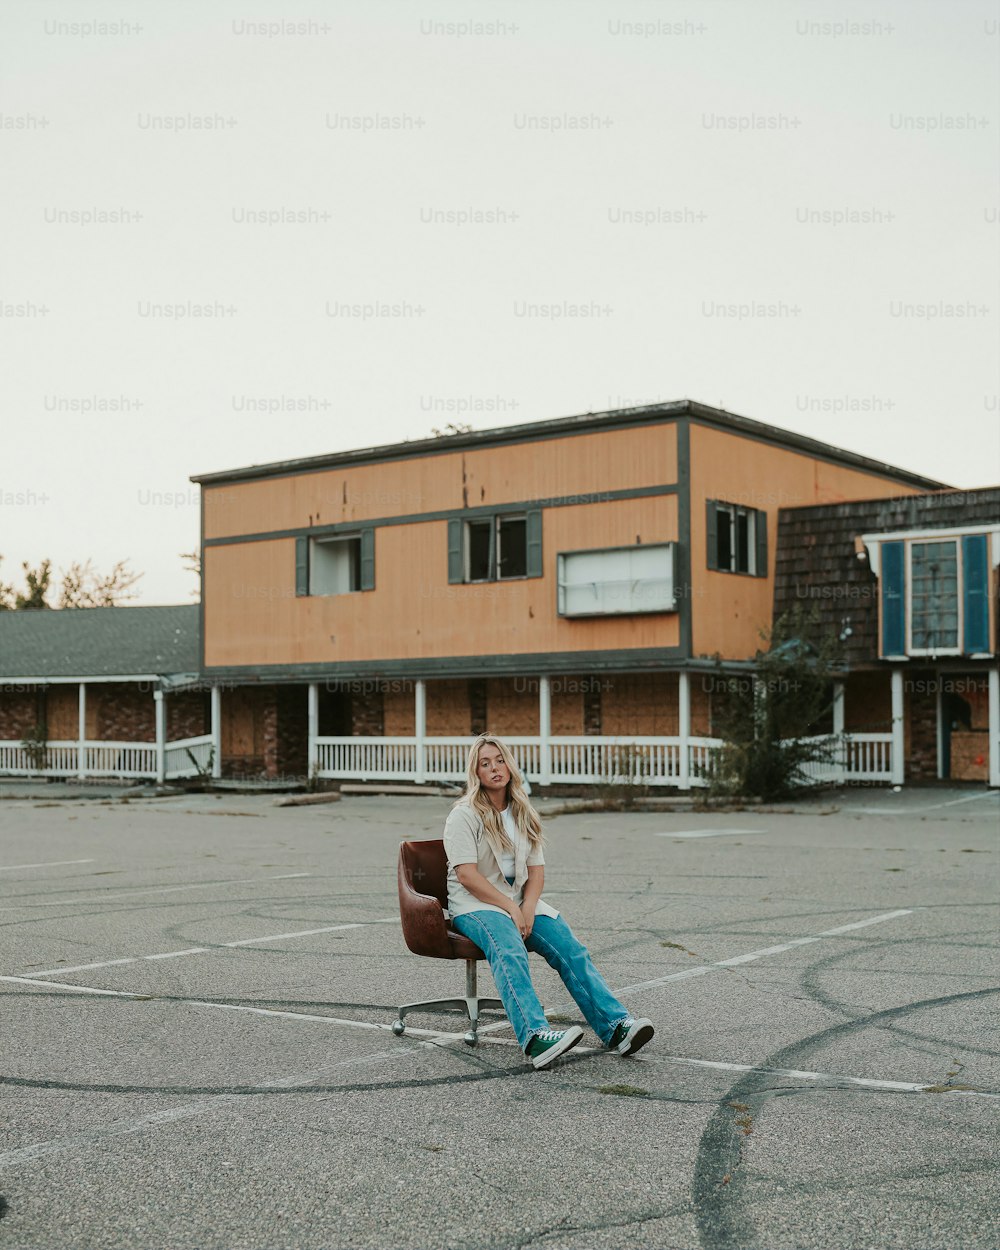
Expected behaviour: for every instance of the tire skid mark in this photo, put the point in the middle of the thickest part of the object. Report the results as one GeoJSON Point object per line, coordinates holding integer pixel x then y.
{"type": "Point", "coordinates": [721, 1208]}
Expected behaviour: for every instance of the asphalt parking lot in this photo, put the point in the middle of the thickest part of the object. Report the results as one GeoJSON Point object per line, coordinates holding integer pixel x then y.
{"type": "Point", "coordinates": [197, 997]}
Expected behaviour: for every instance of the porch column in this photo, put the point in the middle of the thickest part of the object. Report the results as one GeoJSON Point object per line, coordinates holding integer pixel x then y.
{"type": "Point", "coordinates": [312, 731]}
{"type": "Point", "coordinates": [81, 737]}
{"type": "Point", "coordinates": [216, 731]}
{"type": "Point", "coordinates": [843, 766]}
{"type": "Point", "coordinates": [684, 729]}
{"type": "Point", "coordinates": [544, 732]}
{"type": "Point", "coordinates": [994, 723]}
{"type": "Point", "coordinates": [160, 705]}
{"type": "Point", "coordinates": [420, 730]}
{"type": "Point", "coordinates": [898, 771]}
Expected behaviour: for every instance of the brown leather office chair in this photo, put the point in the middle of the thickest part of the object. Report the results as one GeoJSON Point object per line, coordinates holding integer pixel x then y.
{"type": "Point", "coordinates": [423, 897]}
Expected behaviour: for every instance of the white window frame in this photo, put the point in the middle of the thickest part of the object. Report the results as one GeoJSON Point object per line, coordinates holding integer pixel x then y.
{"type": "Point", "coordinates": [734, 510]}
{"type": "Point", "coordinates": [959, 593]}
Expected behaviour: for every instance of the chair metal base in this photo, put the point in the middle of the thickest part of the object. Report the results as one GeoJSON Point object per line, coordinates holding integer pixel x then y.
{"type": "Point", "coordinates": [471, 1004]}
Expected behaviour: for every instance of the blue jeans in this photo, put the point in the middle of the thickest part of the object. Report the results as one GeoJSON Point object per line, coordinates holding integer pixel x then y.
{"type": "Point", "coordinates": [497, 937]}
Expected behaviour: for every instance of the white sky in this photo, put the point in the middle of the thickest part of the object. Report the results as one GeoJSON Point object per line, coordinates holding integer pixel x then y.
{"type": "Point", "coordinates": [878, 335]}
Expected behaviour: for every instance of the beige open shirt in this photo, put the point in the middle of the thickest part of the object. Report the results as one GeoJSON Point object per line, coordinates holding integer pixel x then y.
{"type": "Point", "coordinates": [465, 842]}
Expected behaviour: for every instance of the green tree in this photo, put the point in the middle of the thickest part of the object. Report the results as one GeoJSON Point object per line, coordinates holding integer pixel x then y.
{"type": "Point", "coordinates": [771, 721]}
{"type": "Point", "coordinates": [37, 582]}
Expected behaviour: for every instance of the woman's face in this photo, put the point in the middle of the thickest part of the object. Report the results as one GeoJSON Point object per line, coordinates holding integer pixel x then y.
{"type": "Point", "coordinates": [493, 772]}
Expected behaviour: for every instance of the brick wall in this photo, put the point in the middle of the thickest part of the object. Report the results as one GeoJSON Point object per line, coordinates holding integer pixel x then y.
{"type": "Point", "coordinates": [188, 714]}
{"type": "Point", "coordinates": [126, 712]}
{"type": "Point", "coordinates": [292, 713]}
{"type": "Point", "coordinates": [20, 711]}
{"type": "Point", "coordinates": [920, 704]}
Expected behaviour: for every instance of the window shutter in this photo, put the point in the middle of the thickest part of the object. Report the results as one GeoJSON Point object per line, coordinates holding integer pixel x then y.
{"type": "Point", "coordinates": [712, 533]}
{"type": "Point", "coordinates": [368, 558]}
{"type": "Point", "coordinates": [760, 530]}
{"type": "Point", "coordinates": [533, 530]}
{"type": "Point", "coordinates": [893, 600]}
{"type": "Point", "coordinates": [975, 580]}
{"type": "Point", "coordinates": [456, 562]}
{"type": "Point", "coordinates": [302, 566]}
{"type": "Point", "coordinates": [492, 571]}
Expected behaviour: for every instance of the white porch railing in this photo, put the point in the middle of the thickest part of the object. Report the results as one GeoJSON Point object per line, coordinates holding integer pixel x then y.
{"type": "Point", "coordinates": [188, 757]}
{"type": "Point", "coordinates": [585, 759]}
{"type": "Point", "coordinates": [106, 759]}
{"type": "Point", "coordinates": [855, 757]}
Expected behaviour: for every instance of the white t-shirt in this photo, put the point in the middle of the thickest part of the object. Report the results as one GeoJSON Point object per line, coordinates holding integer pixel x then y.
{"type": "Point", "coordinates": [515, 835]}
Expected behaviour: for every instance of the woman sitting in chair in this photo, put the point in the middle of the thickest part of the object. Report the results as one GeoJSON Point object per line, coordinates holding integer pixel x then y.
{"type": "Point", "coordinates": [493, 841]}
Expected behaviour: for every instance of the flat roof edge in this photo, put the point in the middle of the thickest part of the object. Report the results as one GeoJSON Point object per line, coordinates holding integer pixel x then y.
{"type": "Point", "coordinates": [497, 435]}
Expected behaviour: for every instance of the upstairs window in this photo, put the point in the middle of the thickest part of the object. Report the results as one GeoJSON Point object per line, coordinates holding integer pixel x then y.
{"type": "Point", "coordinates": [934, 595]}
{"type": "Point", "coordinates": [335, 564]}
{"type": "Point", "coordinates": [736, 538]}
{"type": "Point", "coordinates": [616, 581]}
{"type": "Point", "coordinates": [495, 547]}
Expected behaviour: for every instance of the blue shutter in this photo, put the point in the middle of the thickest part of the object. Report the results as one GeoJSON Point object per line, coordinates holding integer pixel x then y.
{"type": "Point", "coordinates": [368, 558]}
{"type": "Point", "coordinates": [893, 599]}
{"type": "Point", "coordinates": [456, 555]}
{"type": "Point", "coordinates": [302, 566]}
{"type": "Point", "coordinates": [975, 581]}
{"type": "Point", "coordinates": [533, 536]}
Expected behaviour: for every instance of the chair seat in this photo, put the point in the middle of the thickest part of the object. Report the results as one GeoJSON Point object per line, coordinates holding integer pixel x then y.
{"type": "Point", "coordinates": [462, 947]}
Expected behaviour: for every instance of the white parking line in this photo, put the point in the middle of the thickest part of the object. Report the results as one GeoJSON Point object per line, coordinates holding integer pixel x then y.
{"type": "Point", "coordinates": [701, 969]}
{"type": "Point", "coordinates": [53, 863]}
{"type": "Point", "coordinates": [823, 1077]}
{"type": "Point", "coordinates": [201, 950]}
{"type": "Point", "coordinates": [709, 833]}
{"type": "Point", "coordinates": [164, 889]}
{"type": "Point", "coordinates": [927, 807]}
{"type": "Point", "coordinates": [27, 1154]}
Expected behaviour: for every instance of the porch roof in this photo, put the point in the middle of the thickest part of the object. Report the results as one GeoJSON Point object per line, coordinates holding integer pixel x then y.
{"type": "Point", "coordinates": [47, 643]}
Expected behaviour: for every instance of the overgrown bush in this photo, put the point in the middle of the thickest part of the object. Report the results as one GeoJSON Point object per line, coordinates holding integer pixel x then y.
{"type": "Point", "coordinates": [771, 720]}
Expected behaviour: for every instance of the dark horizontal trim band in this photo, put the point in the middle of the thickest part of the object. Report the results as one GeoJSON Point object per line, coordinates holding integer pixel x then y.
{"type": "Point", "coordinates": [447, 514]}
{"type": "Point", "coordinates": [534, 664]}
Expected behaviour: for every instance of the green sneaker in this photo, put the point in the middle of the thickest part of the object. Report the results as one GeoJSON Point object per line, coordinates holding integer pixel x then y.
{"type": "Point", "coordinates": [548, 1045]}
{"type": "Point", "coordinates": [630, 1035]}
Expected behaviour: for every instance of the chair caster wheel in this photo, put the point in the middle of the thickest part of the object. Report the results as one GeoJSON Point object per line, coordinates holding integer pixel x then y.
{"type": "Point", "coordinates": [398, 1027]}
{"type": "Point", "coordinates": [471, 1039]}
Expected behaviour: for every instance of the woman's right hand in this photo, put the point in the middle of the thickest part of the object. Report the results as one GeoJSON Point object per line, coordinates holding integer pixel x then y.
{"type": "Point", "coordinates": [518, 918]}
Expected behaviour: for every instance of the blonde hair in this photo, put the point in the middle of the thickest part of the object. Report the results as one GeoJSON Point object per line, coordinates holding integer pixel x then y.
{"type": "Point", "coordinates": [525, 816]}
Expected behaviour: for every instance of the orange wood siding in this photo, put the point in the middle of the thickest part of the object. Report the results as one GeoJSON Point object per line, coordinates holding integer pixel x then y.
{"type": "Point", "coordinates": [729, 609]}
{"type": "Point", "coordinates": [252, 615]}
{"type": "Point", "coordinates": [583, 464]}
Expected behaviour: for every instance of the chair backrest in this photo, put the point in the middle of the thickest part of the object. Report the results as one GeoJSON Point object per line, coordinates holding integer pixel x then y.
{"type": "Point", "coordinates": [426, 867]}
{"type": "Point", "coordinates": [423, 894]}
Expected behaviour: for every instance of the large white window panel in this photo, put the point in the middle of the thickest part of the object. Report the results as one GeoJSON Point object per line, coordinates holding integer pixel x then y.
{"type": "Point", "coordinates": [606, 583]}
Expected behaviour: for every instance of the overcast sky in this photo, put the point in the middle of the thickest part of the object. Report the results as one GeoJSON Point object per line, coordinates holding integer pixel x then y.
{"type": "Point", "coordinates": [396, 214]}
